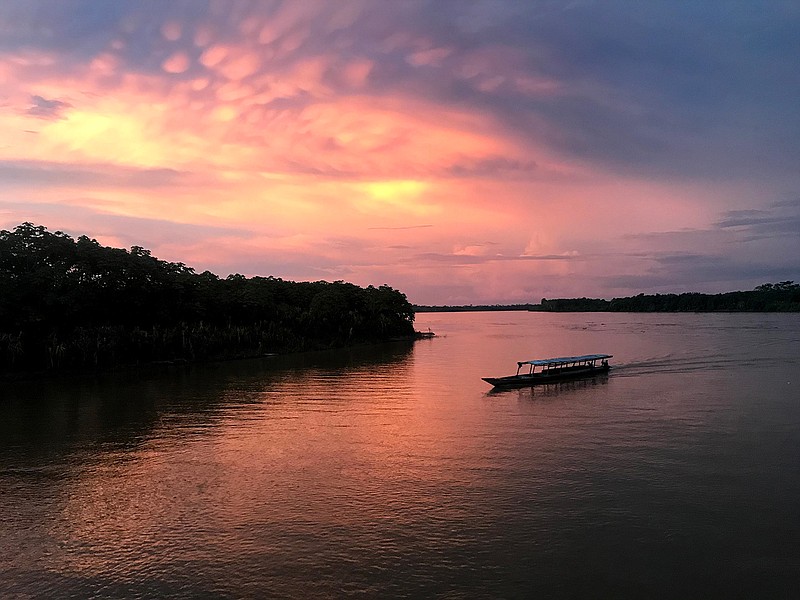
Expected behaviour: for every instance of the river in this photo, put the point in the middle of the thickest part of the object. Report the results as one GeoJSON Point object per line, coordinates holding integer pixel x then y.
{"type": "Point", "coordinates": [394, 471]}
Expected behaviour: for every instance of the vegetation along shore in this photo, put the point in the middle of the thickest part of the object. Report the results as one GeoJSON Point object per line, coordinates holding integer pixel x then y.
{"type": "Point", "coordinates": [74, 304]}
{"type": "Point", "coordinates": [769, 297]}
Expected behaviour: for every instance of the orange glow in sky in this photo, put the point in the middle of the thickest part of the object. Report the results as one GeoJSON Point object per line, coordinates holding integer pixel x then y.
{"type": "Point", "coordinates": [461, 153]}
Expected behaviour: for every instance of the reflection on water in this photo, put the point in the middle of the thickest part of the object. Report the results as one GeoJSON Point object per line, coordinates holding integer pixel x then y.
{"type": "Point", "coordinates": [395, 471]}
{"type": "Point", "coordinates": [552, 390]}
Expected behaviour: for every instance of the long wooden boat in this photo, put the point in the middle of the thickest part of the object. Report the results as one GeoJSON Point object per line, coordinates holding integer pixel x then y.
{"type": "Point", "coordinates": [552, 370]}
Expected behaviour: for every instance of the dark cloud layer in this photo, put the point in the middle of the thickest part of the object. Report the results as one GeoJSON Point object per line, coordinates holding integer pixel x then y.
{"type": "Point", "coordinates": [46, 174]}
{"type": "Point", "coordinates": [780, 220]}
{"type": "Point", "coordinates": [763, 245]}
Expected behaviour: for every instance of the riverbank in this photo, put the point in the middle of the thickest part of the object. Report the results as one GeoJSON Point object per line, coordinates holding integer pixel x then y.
{"type": "Point", "coordinates": [69, 304]}
{"type": "Point", "coordinates": [179, 363]}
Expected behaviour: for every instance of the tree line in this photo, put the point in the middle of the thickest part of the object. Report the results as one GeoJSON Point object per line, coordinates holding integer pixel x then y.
{"type": "Point", "coordinates": [72, 303]}
{"type": "Point", "coordinates": [769, 297]}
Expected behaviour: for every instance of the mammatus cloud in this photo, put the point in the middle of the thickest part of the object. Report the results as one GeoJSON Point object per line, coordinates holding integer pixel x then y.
{"type": "Point", "coordinates": [482, 151]}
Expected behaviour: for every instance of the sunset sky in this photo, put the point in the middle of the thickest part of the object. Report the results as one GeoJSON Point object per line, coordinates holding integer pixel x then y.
{"type": "Point", "coordinates": [461, 151]}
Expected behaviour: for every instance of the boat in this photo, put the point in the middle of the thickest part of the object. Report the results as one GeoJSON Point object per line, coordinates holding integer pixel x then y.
{"type": "Point", "coordinates": [551, 370]}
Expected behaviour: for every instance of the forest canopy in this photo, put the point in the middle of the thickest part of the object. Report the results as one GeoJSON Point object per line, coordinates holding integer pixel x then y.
{"type": "Point", "coordinates": [73, 303]}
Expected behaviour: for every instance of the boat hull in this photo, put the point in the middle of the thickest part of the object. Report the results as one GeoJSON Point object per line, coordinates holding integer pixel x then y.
{"type": "Point", "coordinates": [525, 380]}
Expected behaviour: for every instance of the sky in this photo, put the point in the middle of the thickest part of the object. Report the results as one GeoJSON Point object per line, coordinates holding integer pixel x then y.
{"type": "Point", "coordinates": [464, 152]}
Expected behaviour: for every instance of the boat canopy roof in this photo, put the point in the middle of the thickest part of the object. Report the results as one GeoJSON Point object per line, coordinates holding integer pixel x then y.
{"type": "Point", "coordinates": [563, 360]}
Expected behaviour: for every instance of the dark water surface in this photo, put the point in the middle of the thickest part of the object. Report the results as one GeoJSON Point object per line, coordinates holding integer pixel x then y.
{"type": "Point", "coordinates": [394, 472]}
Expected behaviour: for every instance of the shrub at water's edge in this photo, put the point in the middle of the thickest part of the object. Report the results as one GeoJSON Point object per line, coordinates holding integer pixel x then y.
{"type": "Point", "coordinates": [72, 303]}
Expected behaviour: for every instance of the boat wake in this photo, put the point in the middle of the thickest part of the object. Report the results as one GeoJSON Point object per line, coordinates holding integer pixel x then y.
{"type": "Point", "coordinates": [678, 364]}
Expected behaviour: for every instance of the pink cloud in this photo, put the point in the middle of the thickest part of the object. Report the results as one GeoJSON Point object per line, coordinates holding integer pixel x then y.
{"type": "Point", "coordinates": [177, 63]}
{"type": "Point", "coordinates": [457, 159]}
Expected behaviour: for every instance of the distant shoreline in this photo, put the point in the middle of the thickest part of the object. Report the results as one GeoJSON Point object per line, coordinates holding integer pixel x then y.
{"type": "Point", "coordinates": [769, 297]}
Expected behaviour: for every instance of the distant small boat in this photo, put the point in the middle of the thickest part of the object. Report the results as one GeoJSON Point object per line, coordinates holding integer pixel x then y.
{"type": "Point", "coordinates": [552, 370]}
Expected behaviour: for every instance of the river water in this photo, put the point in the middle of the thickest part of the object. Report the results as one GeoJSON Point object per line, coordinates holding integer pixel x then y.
{"type": "Point", "coordinates": [394, 471]}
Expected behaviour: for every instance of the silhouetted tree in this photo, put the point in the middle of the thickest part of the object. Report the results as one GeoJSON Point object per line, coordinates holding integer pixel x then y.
{"type": "Point", "coordinates": [76, 303]}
